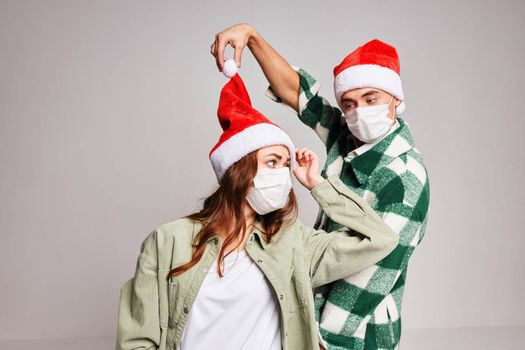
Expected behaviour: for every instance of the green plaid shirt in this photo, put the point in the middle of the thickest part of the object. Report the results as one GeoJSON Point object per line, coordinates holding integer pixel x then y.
{"type": "Point", "coordinates": [363, 311]}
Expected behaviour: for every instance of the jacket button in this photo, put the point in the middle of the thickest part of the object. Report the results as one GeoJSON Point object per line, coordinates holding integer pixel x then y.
{"type": "Point", "coordinates": [185, 310]}
{"type": "Point", "coordinates": [259, 261]}
{"type": "Point", "coordinates": [281, 296]}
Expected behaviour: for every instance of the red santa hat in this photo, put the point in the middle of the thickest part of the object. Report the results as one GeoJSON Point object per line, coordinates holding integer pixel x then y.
{"type": "Point", "coordinates": [375, 64]}
{"type": "Point", "coordinates": [244, 129]}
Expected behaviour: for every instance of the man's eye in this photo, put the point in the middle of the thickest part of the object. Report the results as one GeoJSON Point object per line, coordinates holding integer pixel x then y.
{"type": "Point", "coordinates": [371, 100]}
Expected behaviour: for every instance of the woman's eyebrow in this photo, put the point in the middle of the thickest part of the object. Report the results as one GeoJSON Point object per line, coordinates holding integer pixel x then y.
{"type": "Point", "coordinates": [278, 156]}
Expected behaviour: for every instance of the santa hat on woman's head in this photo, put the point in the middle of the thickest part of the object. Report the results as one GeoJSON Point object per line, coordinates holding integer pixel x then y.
{"type": "Point", "coordinates": [244, 129]}
{"type": "Point", "coordinates": [373, 65]}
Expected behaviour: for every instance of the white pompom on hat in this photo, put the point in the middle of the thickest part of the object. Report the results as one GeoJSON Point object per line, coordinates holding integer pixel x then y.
{"type": "Point", "coordinates": [230, 68]}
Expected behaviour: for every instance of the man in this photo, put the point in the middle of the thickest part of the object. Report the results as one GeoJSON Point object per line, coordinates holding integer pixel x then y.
{"type": "Point", "coordinates": [373, 152]}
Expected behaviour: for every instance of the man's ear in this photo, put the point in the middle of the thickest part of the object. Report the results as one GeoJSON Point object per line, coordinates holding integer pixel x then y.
{"type": "Point", "coordinates": [398, 102]}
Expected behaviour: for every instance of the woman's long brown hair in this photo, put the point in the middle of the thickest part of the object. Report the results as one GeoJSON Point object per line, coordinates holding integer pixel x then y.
{"type": "Point", "coordinates": [223, 212]}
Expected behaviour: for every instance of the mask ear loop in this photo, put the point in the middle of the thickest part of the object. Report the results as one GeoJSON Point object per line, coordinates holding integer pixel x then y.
{"type": "Point", "coordinates": [391, 98]}
{"type": "Point", "coordinates": [395, 113]}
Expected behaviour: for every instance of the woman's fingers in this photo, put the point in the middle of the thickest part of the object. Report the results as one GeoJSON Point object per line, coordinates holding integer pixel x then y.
{"type": "Point", "coordinates": [301, 151]}
{"type": "Point", "coordinates": [311, 155]}
{"type": "Point", "coordinates": [299, 154]}
{"type": "Point", "coordinates": [305, 155]}
{"type": "Point", "coordinates": [307, 169]}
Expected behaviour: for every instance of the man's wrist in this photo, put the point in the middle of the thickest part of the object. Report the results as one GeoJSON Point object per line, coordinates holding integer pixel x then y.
{"type": "Point", "coordinates": [253, 38]}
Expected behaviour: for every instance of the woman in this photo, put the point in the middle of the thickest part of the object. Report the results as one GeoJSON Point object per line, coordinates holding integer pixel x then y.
{"type": "Point", "coordinates": [239, 274]}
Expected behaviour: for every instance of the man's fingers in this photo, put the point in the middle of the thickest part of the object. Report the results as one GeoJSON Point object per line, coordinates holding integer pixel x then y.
{"type": "Point", "coordinates": [238, 55]}
{"type": "Point", "coordinates": [221, 45]}
{"type": "Point", "coordinates": [213, 51]}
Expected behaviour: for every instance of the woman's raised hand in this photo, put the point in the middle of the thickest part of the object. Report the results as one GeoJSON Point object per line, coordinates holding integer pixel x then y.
{"type": "Point", "coordinates": [307, 168]}
{"type": "Point", "coordinates": [236, 36]}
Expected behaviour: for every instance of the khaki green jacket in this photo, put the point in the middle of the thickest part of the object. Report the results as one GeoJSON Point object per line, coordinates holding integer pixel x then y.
{"type": "Point", "coordinates": [152, 311]}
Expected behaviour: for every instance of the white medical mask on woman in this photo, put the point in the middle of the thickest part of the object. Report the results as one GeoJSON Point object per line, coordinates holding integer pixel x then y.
{"type": "Point", "coordinates": [271, 191]}
{"type": "Point", "coordinates": [369, 124]}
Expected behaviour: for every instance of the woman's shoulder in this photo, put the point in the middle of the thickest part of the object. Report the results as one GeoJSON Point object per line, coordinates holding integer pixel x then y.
{"type": "Point", "coordinates": [180, 226]}
{"type": "Point", "coordinates": [169, 238]}
{"type": "Point", "coordinates": [175, 234]}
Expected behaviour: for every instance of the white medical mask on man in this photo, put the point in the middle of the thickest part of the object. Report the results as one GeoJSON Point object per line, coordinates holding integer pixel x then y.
{"type": "Point", "coordinates": [271, 190]}
{"type": "Point", "coordinates": [371, 123]}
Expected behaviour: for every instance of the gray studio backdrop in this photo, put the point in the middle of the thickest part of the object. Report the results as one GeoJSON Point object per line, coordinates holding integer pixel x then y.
{"type": "Point", "coordinates": [107, 115]}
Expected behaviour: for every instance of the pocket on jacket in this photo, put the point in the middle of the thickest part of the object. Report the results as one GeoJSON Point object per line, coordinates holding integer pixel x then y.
{"type": "Point", "coordinates": [172, 291]}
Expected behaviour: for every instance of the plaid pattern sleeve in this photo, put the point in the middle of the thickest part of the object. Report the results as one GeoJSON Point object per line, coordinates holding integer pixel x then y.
{"type": "Point", "coordinates": [315, 111]}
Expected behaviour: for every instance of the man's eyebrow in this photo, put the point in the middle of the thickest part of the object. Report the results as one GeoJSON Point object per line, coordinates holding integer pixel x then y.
{"type": "Point", "coordinates": [276, 155]}
{"type": "Point", "coordinates": [345, 99]}
{"type": "Point", "coordinates": [368, 93]}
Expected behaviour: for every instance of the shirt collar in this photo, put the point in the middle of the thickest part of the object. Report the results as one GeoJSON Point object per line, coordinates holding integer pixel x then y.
{"type": "Point", "coordinates": [377, 155]}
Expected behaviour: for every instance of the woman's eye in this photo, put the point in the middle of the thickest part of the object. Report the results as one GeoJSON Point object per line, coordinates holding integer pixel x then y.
{"type": "Point", "coordinates": [271, 163]}
{"type": "Point", "coordinates": [371, 100]}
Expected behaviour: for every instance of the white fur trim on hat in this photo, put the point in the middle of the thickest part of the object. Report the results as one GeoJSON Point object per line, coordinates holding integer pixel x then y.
{"type": "Point", "coordinates": [250, 139]}
{"type": "Point", "coordinates": [369, 75]}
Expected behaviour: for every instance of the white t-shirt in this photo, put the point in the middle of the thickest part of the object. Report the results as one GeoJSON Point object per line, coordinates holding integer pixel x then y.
{"type": "Point", "coordinates": [237, 311]}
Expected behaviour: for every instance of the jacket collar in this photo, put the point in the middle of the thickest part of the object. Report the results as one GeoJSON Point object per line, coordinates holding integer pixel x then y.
{"type": "Point", "coordinates": [257, 232]}
{"type": "Point", "coordinates": [392, 146]}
